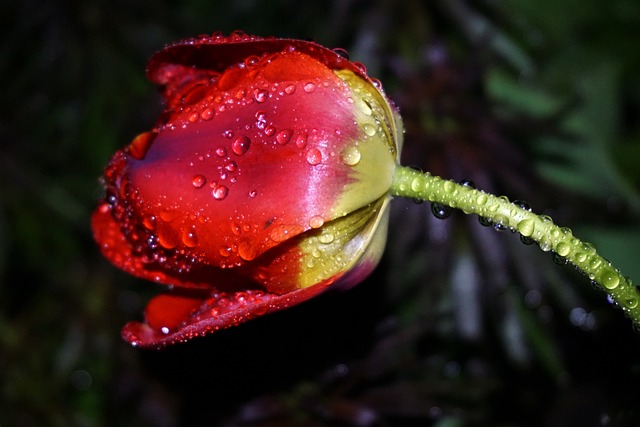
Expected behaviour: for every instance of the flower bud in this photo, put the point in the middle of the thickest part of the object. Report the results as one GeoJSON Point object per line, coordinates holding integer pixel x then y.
{"type": "Point", "coordinates": [264, 182]}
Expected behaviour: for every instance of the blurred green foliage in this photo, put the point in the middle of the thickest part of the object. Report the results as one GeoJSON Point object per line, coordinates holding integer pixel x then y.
{"type": "Point", "coordinates": [460, 326]}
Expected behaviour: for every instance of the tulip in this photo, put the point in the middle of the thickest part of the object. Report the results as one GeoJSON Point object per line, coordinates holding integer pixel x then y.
{"type": "Point", "coordinates": [267, 180]}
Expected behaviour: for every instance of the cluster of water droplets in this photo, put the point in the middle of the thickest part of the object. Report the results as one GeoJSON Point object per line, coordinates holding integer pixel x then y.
{"type": "Point", "coordinates": [500, 214]}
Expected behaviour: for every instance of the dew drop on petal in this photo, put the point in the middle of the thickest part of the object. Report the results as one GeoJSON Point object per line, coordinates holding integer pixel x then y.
{"type": "Point", "coordinates": [149, 222]}
{"type": "Point", "coordinates": [350, 156]}
{"type": "Point", "coordinates": [260, 95]}
{"type": "Point", "coordinates": [326, 238]}
{"type": "Point", "coordinates": [194, 117]}
{"type": "Point", "coordinates": [253, 193]}
{"type": "Point", "coordinates": [301, 140]}
{"type": "Point", "coordinates": [283, 136]}
{"type": "Point", "coordinates": [231, 166]}
{"type": "Point", "coordinates": [198, 181]}
{"type": "Point", "coordinates": [316, 221]}
{"type": "Point", "coordinates": [290, 89]}
{"type": "Point", "coordinates": [241, 145]}
{"type": "Point", "coordinates": [168, 215]}
{"type": "Point", "coordinates": [207, 113]}
{"type": "Point", "coordinates": [368, 129]}
{"type": "Point", "coordinates": [167, 238]}
{"type": "Point", "coordinates": [246, 250]}
{"type": "Point", "coordinates": [314, 156]}
{"type": "Point", "coordinates": [269, 130]}
{"type": "Point", "coordinates": [189, 238]}
{"type": "Point", "coordinates": [280, 233]}
{"type": "Point", "coordinates": [220, 192]}
{"type": "Point", "coordinates": [309, 87]}
{"type": "Point", "coordinates": [221, 152]}
{"type": "Point", "coordinates": [225, 251]}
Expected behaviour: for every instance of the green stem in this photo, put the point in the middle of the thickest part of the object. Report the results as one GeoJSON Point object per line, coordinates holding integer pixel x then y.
{"type": "Point", "coordinates": [411, 183]}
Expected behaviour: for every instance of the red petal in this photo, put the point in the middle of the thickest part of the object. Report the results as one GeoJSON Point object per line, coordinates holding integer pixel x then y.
{"type": "Point", "coordinates": [206, 56]}
{"type": "Point", "coordinates": [172, 319]}
{"type": "Point", "coordinates": [228, 189]}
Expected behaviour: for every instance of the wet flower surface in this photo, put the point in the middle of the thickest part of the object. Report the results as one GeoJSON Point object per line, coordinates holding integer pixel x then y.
{"type": "Point", "coordinates": [264, 182]}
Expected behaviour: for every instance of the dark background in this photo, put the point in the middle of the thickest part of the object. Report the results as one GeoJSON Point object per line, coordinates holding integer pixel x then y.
{"type": "Point", "coordinates": [459, 326]}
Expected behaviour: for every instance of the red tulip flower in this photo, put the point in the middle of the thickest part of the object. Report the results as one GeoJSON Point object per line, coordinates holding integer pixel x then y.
{"type": "Point", "coordinates": [264, 183]}
{"type": "Point", "coordinates": [267, 180]}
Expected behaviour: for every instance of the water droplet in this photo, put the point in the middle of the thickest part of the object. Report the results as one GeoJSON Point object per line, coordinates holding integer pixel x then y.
{"type": "Point", "coordinates": [350, 156]}
{"type": "Point", "coordinates": [269, 130]}
{"type": "Point", "coordinates": [368, 129]}
{"type": "Point", "coordinates": [631, 302]}
{"type": "Point", "coordinates": [167, 238]}
{"type": "Point", "coordinates": [481, 200]}
{"type": "Point", "coordinates": [253, 193]}
{"type": "Point", "coordinates": [189, 238]}
{"type": "Point", "coordinates": [231, 166]}
{"type": "Point", "coordinates": [260, 95]}
{"type": "Point", "coordinates": [228, 134]}
{"type": "Point", "coordinates": [225, 251]}
{"type": "Point", "coordinates": [149, 222]}
{"type": "Point", "coordinates": [527, 240]}
{"type": "Point", "coordinates": [241, 145]}
{"type": "Point", "coordinates": [485, 222]}
{"type": "Point", "coordinates": [198, 181]}
{"type": "Point", "coordinates": [522, 204]}
{"type": "Point", "coordinates": [246, 250]}
{"type": "Point", "coordinates": [314, 156]}
{"type": "Point", "coordinates": [280, 233]}
{"type": "Point", "coordinates": [220, 192]}
{"type": "Point", "coordinates": [415, 186]}
{"type": "Point", "coordinates": [221, 152]}
{"type": "Point", "coordinates": [468, 183]}
{"type": "Point", "coordinates": [168, 215]}
{"type": "Point", "coordinates": [545, 245]}
{"type": "Point", "coordinates": [500, 223]}
{"type": "Point", "coordinates": [194, 117]}
{"type": "Point", "coordinates": [207, 113]}
{"type": "Point", "coordinates": [441, 211]}
{"type": "Point", "coordinates": [581, 257]}
{"type": "Point", "coordinates": [609, 278]}
{"type": "Point", "coordinates": [450, 187]}
{"type": "Point", "coordinates": [290, 89]}
{"type": "Point", "coordinates": [283, 136]}
{"type": "Point", "coordinates": [588, 248]}
{"type": "Point", "coordinates": [342, 52]}
{"type": "Point", "coordinates": [326, 238]}
{"type": "Point", "coordinates": [301, 140]}
{"type": "Point", "coordinates": [526, 227]}
{"type": "Point", "coordinates": [563, 249]}
{"type": "Point", "coordinates": [316, 221]}
{"type": "Point", "coordinates": [309, 87]}
{"type": "Point", "coordinates": [559, 259]}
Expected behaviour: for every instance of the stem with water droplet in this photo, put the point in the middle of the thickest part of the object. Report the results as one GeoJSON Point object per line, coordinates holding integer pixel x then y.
{"type": "Point", "coordinates": [411, 183]}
